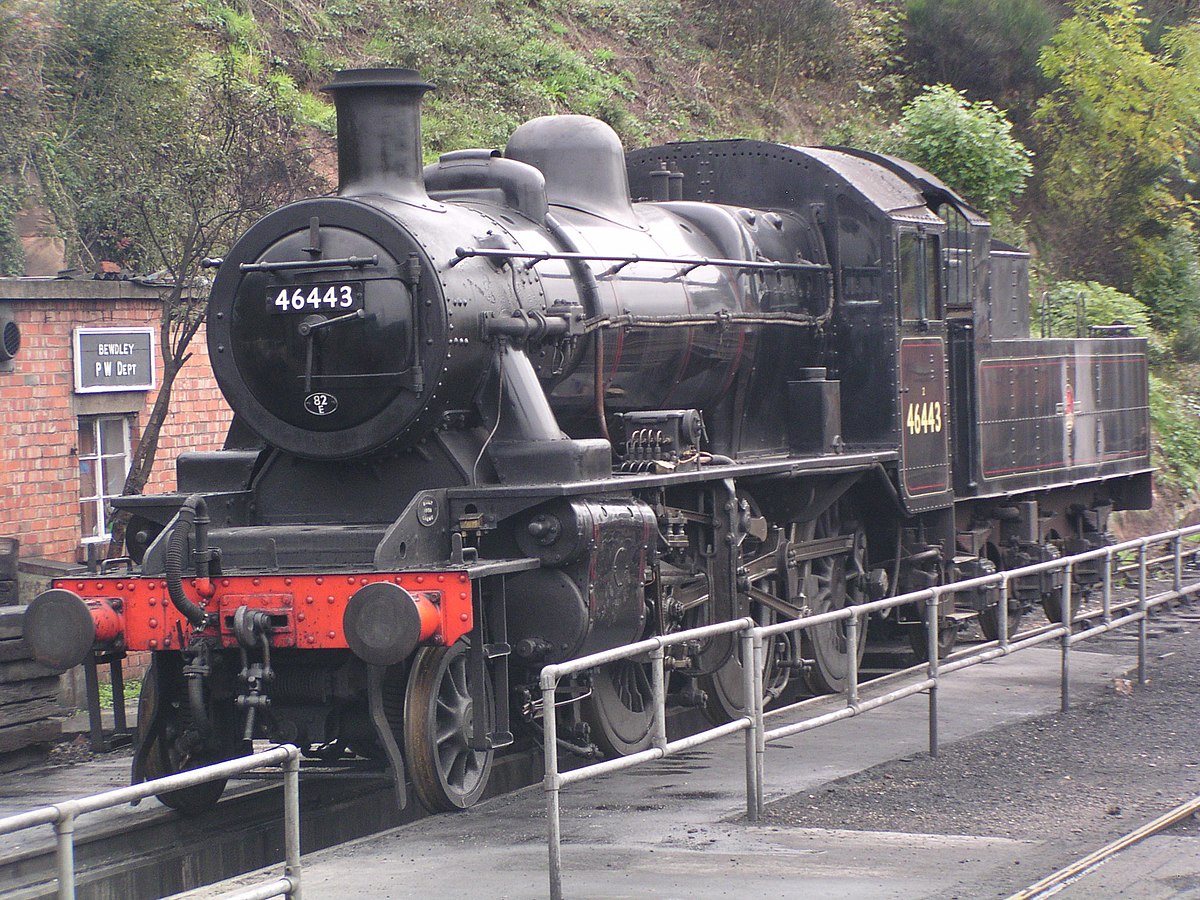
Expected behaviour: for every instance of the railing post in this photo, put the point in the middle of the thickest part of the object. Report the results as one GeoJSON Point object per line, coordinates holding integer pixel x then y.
{"type": "Point", "coordinates": [1143, 623]}
{"type": "Point", "coordinates": [852, 660]}
{"type": "Point", "coordinates": [1106, 587]}
{"type": "Point", "coordinates": [760, 728]}
{"type": "Point", "coordinates": [552, 787]}
{"type": "Point", "coordinates": [1067, 616]}
{"type": "Point", "coordinates": [749, 662]}
{"type": "Point", "coordinates": [64, 834]}
{"type": "Point", "coordinates": [932, 605]}
{"type": "Point", "coordinates": [291, 822]}
{"type": "Point", "coordinates": [1177, 547]}
{"type": "Point", "coordinates": [658, 684]}
{"type": "Point", "coordinates": [1002, 612]}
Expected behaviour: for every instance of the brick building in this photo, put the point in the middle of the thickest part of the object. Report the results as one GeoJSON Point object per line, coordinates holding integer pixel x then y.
{"type": "Point", "coordinates": [65, 435]}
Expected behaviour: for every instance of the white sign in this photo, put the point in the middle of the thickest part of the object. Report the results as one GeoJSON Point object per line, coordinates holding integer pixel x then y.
{"type": "Point", "coordinates": [113, 359]}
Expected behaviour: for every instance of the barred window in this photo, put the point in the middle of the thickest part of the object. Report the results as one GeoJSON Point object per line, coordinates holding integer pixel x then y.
{"type": "Point", "coordinates": [104, 458]}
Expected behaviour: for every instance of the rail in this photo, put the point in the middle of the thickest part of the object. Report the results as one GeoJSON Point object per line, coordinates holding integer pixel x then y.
{"type": "Point", "coordinates": [1128, 557]}
{"type": "Point", "coordinates": [63, 815]}
{"type": "Point", "coordinates": [1055, 882]}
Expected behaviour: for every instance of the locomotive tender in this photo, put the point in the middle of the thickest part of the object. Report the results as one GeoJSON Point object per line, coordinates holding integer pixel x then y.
{"type": "Point", "coordinates": [495, 413]}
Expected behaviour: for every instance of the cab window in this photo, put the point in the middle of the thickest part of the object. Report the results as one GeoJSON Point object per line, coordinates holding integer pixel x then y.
{"type": "Point", "coordinates": [920, 276]}
{"type": "Point", "coordinates": [957, 257]}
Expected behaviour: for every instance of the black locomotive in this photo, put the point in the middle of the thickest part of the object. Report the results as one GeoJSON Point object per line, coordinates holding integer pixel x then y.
{"type": "Point", "coordinates": [516, 407]}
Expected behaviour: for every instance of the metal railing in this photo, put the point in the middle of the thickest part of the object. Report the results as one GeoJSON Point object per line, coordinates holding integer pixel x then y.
{"type": "Point", "coordinates": [660, 746]}
{"type": "Point", "coordinates": [63, 815]}
{"type": "Point", "coordinates": [922, 678]}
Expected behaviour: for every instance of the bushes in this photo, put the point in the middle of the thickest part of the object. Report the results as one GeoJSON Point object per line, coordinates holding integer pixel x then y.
{"type": "Point", "coordinates": [784, 38]}
{"type": "Point", "coordinates": [968, 145]}
{"type": "Point", "coordinates": [1071, 306]}
{"type": "Point", "coordinates": [1175, 418]}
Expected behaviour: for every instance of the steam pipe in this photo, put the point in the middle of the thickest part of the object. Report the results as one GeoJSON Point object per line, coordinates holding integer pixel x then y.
{"type": "Point", "coordinates": [589, 295]}
{"type": "Point", "coordinates": [193, 513]}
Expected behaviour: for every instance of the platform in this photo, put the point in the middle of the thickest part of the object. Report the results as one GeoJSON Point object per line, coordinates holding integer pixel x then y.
{"type": "Point", "coordinates": [674, 829]}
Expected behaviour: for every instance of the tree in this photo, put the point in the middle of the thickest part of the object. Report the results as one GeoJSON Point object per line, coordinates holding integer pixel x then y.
{"type": "Point", "coordinates": [968, 145]}
{"type": "Point", "coordinates": [157, 140]}
{"type": "Point", "coordinates": [1117, 130]}
{"type": "Point", "coordinates": [26, 30]}
{"type": "Point", "coordinates": [193, 192]}
{"type": "Point", "coordinates": [988, 48]}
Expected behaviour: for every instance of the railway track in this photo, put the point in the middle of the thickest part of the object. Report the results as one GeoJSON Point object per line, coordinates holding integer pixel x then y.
{"type": "Point", "coordinates": [153, 852]}
{"type": "Point", "coordinates": [1082, 867]}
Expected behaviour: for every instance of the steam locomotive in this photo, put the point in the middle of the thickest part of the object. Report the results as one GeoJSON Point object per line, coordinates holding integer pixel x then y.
{"type": "Point", "coordinates": [495, 413]}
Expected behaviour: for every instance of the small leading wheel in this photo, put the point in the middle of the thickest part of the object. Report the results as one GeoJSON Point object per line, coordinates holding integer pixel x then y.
{"type": "Point", "coordinates": [176, 747]}
{"type": "Point", "coordinates": [620, 708]}
{"type": "Point", "coordinates": [447, 773]}
{"type": "Point", "coordinates": [832, 583]}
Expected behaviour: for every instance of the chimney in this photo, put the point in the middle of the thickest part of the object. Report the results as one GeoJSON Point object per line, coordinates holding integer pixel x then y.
{"type": "Point", "coordinates": [379, 131]}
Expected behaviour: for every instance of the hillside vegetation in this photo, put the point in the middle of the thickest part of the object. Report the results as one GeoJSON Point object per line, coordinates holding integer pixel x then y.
{"type": "Point", "coordinates": [143, 134]}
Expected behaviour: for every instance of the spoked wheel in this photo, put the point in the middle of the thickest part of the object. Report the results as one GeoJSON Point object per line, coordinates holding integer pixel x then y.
{"type": "Point", "coordinates": [832, 583]}
{"type": "Point", "coordinates": [990, 561]}
{"type": "Point", "coordinates": [176, 747]}
{"type": "Point", "coordinates": [447, 773]}
{"type": "Point", "coordinates": [725, 694]}
{"type": "Point", "coordinates": [620, 708]}
{"type": "Point", "coordinates": [1052, 606]}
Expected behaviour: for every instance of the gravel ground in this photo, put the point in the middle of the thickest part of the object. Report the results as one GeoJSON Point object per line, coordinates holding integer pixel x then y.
{"type": "Point", "coordinates": [1080, 779]}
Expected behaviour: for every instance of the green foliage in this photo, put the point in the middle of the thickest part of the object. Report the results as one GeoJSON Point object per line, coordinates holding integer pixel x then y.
{"type": "Point", "coordinates": [1071, 306]}
{"type": "Point", "coordinates": [154, 149]}
{"type": "Point", "coordinates": [987, 48]}
{"type": "Point", "coordinates": [781, 44]}
{"type": "Point", "coordinates": [1175, 419]}
{"type": "Point", "coordinates": [1168, 280]}
{"type": "Point", "coordinates": [25, 30]}
{"type": "Point", "coordinates": [968, 145]}
{"type": "Point", "coordinates": [1117, 131]}
{"type": "Point", "coordinates": [496, 65]}
{"type": "Point", "coordinates": [133, 688]}
{"type": "Point", "coordinates": [785, 37]}
{"type": "Point", "coordinates": [12, 255]}
{"type": "Point", "coordinates": [152, 146]}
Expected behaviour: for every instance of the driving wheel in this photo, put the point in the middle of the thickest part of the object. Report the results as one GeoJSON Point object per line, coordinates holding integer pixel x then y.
{"type": "Point", "coordinates": [832, 583]}
{"type": "Point", "coordinates": [620, 707]}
